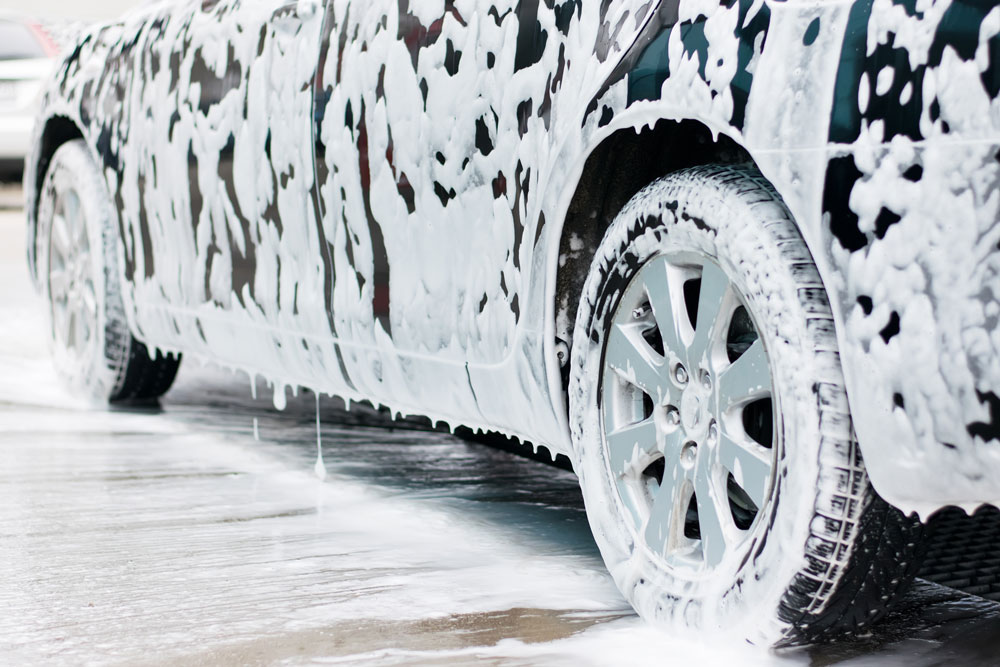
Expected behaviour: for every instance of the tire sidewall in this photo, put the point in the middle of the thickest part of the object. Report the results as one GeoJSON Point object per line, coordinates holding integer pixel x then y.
{"type": "Point", "coordinates": [677, 214]}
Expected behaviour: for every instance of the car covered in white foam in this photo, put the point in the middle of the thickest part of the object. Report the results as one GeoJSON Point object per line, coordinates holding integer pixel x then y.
{"type": "Point", "coordinates": [737, 260]}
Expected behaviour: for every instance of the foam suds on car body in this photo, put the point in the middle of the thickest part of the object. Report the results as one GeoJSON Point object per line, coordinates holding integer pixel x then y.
{"type": "Point", "coordinates": [210, 193]}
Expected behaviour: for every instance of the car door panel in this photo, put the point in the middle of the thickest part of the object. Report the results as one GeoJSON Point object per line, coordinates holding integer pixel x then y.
{"type": "Point", "coordinates": [447, 110]}
{"type": "Point", "coordinates": [438, 131]}
{"type": "Point", "coordinates": [222, 161]}
{"type": "Point", "coordinates": [372, 170]}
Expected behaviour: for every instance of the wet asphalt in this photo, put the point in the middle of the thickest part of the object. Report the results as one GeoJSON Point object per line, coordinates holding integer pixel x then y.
{"type": "Point", "coordinates": [198, 531]}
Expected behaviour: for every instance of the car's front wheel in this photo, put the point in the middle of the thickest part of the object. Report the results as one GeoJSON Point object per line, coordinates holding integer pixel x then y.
{"type": "Point", "coordinates": [77, 244]}
{"type": "Point", "coordinates": [711, 427]}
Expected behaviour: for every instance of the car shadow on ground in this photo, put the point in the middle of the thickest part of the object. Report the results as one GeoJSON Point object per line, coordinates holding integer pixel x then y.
{"type": "Point", "coordinates": [411, 457]}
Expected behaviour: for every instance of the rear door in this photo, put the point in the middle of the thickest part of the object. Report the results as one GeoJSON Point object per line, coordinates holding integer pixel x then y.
{"type": "Point", "coordinates": [220, 150]}
{"type": "Point", "coordinates": [424, 189]}
{"type": "Point", "coordinates": [438, 124]}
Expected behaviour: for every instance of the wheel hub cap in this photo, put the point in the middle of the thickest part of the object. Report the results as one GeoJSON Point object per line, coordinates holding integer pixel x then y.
{"type": "Point", "coordinates": [693, 411]}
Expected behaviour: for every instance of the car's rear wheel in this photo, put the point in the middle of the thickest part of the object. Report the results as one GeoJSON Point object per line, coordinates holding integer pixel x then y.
{"type": "Point", "coordinates": [93, 348]}
{"type": "Point", "coordinates": [711, 427]}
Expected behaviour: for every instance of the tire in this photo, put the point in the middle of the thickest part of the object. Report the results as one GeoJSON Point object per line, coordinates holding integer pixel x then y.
{"type": "Point", "coordinates": [77, 243]}
{"type": "Point", "coordinates": [792, 544]}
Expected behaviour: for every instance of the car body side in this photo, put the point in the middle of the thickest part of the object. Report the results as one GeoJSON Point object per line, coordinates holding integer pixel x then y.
{"type": "Point", "coordinates": [440, 169]}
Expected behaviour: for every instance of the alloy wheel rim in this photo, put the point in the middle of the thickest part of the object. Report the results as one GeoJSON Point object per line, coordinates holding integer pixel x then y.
{"type": "Point", "coordinates": [72, 292]}
{"type": "Point", "coordinates": [688, 412]}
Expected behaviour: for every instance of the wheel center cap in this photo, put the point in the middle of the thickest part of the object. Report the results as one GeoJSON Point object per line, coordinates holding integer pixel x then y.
{"type": "Point", "coordinates": [691, 410]}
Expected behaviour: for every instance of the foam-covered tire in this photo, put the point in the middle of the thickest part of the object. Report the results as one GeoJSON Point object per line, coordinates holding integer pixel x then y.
{"type": "Point", "coordinates": [77, 245]}
{"type": "Point", "coordinates": [822, 554]}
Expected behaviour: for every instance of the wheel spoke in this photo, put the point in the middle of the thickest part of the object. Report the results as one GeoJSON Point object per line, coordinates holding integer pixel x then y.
{"type": "Point", "coordinates": [89, 300]}
{"type": "Point", "coordinates": [746, 380]}
{"type": "Point", "coordinates": [627, 445]}
{"type": "Point", "coordinates": [61, 239]}
{"type": "Point", "coordinates": [72, 326]}
{"type": "Point", "coordinates": [665, 307]}
{"type": "Point", "coordinates": [82, 253]}
{"type": "Point", "coordinates": [60, 320]}
{"type": "Point", "coordinates": [750, 464]}
{"type": "Point", "coordinates": [58, 282]}
{"type": "Point", "coordinates": [76, 225]}
{"type": "Point", "coordinates": [666, 518]}
{"type": "Point", "coordinates": [713, 515]}
{"type": "Point", "coordinates": [83, 324]}
{"type": "Point", "coordinates": [712, 296]}
{"type": "Point", "coordinates": [635, 361]}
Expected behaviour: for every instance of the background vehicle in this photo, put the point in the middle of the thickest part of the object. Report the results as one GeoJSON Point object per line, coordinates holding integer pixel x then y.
{"type": "Point", "coordinates": [694, 248]}
{"type": "Point", "coordinates": [27, 55]}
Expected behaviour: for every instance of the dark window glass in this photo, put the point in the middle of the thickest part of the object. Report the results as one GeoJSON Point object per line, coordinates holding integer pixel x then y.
{"type": "Point", "coordinates": [17, 42]}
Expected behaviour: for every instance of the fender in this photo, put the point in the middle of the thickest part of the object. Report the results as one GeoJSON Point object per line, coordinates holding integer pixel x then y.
{"type": "Point", "coordinates": [83, 99]}
{"type": "Point", "coordinates": [909, 223]}
{"type": "Point", "coordinates": [856, 143]}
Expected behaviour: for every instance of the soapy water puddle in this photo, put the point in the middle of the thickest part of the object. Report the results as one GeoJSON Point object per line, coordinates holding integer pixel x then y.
{"type": "Point", "coordinates": [199, 531]}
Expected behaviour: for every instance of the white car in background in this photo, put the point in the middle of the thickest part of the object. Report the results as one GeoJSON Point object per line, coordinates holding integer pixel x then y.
{"type": "Point", "coordinates": [27, 55]}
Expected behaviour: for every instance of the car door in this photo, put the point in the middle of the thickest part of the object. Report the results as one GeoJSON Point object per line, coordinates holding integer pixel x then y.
{"type": "Point", "coordinates": [437, 135]}
{"type": "Point", "coordinates": [407, 216]}
{"type": "Point", "coordinates": [227, 241]}
{"type": "Point", "coordinates": [435, 198]}
{"type": "Point", "coordinates": [399, 192]}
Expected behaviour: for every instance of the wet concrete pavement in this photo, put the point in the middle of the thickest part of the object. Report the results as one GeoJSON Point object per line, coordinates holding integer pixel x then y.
{"type": "Point", "coordinates": [176, 535]}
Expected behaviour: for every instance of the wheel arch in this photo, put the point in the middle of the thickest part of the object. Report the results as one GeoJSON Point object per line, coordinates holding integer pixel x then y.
{"type": "Point", "coordinates": [614, 170]}
{"type": "Point", "coordinates": [56, 131]}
